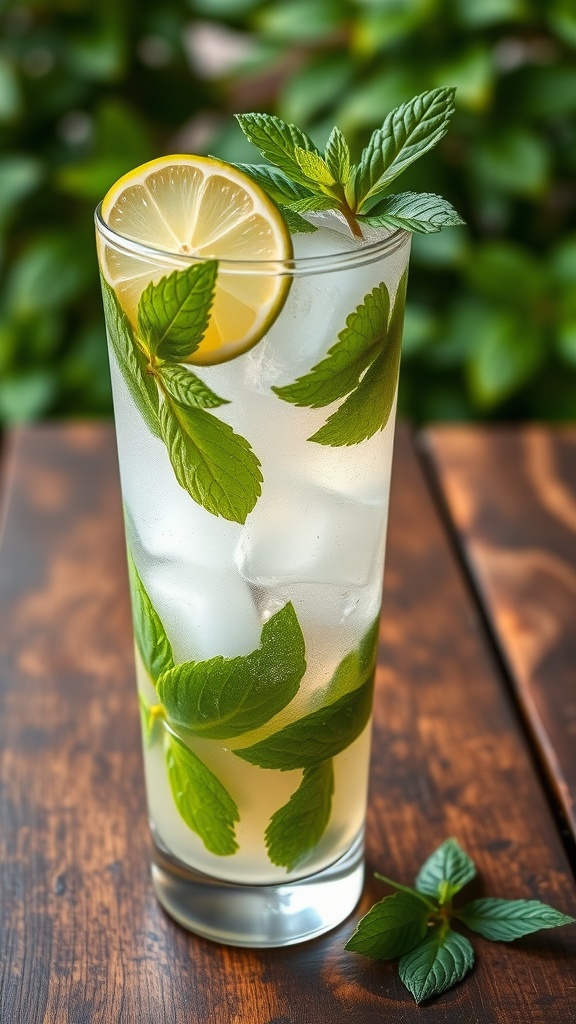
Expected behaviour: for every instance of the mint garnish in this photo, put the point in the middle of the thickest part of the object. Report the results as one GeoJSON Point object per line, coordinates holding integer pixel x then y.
{"type": "Point", "coordinates": [215, 465]}
{"type": "Point", "coordinates": [204, 804]}
{"type": "Point", "coordinates": [149, 633]}
{"type": "Point", "coordinates": [303, 180]}
{"type": "Point", "coordinates": [363, 364]}
{"type": "Point", "coordinates": [225, 697]}
{"type": "Point", "coordinates": [295, 829]}
{"type": "Point", "coordinates": [416, 924]}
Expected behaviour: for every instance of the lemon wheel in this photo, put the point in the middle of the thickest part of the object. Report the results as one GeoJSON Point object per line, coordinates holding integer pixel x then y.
{"type": "Point", "coordinates": [202, 208]}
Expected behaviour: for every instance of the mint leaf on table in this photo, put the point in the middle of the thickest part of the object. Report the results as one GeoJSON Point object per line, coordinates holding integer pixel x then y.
{"type": "Point", "coordinates": [363, 364]}
{"type": "Point", "coordinates": [438, 963]}
{"type": "Point", "coordinates": [412, 211]}
{"type": "Point", "coordinates": [173, 315]}
{"type": "Point", "coordinates": [441, 957]}
{"type": "Point", "coordinates": [225, 697]}
{"type": "Point", "coordinates": [303, 180]}
{"type": "Point", "coordinates": [506, 920]}
{"type": "Point", "coordinates": [391, 927]}
{"type": "Point", "coordinates": [296, 828]}
{"type": "Point", "coordinates": [186, 388]}
{"type": "Point", "coordinates": [202, 800]}
{"type": "Point", "coordinates": [130, 359]}
{"type": "Point", "coordinates": [446, 871]}
{"type": "Point", "coordinates": [150, 635]}
{"type": "Point", "coordinates": [216, 466]}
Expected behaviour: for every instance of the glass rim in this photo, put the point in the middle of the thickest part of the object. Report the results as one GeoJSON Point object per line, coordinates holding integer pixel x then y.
{"type": "Point", "coordinates": [296, 266]}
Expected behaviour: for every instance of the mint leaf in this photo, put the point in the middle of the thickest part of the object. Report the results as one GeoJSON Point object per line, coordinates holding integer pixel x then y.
{"type": "Point", "coordinates": [186, 388]}
{"type": "Point", "coordinates": [391, 927]}
{"type": "Point", "coordinates": [150, 635]}
{"type": "Point", "coordinates": [408, 132]}
{"type": "Point", "coordinates": [225, 697]}
{"type": "Point", "coordinates": [436, 964]}
{"type": "Point", "coordinates": [315, 169]}
{"type": "Point", "coordinates": [275, 183]}
{"type": "Point", "coordinates": [368, 649]}
{"type": "Point", "coordinates": [130, 360]}
{"type": "Point", "coordinates": [173, 315]}
{"type": "Point", "coordinates": [413, 211]}
{"type": "Point", "coordinates": [354, 667]}
{"type": "Point", "coordinates": [216, 466]}
{"type": "Point", "coordinates": [295, 829]}
{"type": "Point", "coordinates": [320, 735]}
{"type": "Point", "coordinates": [277, 141]}
{"type": "Point", "coordinates": [203, 802]}
{"type": "Point", "coordinates": [296, 224]}
{"type": "Point", "coordinates": [337, 156]}
{"type": "Point", "coordinates": [367, 409]}
{"type": "Point", "coordinates": [310, 205]}
{"type": "Point", "coordinates": [505, 920]}
{"type": "Point", "coordinates": [448, 864]}
{"type": "Point", "coordinates": [358, 344]}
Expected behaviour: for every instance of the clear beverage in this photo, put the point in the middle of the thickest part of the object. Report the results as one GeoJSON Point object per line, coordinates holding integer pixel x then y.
{"type": "Point", "coordinates": [299, 580]}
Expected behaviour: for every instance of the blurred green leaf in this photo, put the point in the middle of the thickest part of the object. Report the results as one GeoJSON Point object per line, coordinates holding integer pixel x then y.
{"type": "Point", "coordinates": [505, 273]}
{"type": "Point", "coordinates": [10, 98]}
{"type": "Point", "coordinates": [545, 91]}
{"type": "Point", "coordinates": [444, 249]}
{"type": "Point", "coordinates": [472, 73]}
{"type": "Point", "coordinates": [51, 271]}
{"type": "Point", "coordinates": [508, 350]}
{"type": "Point", "coordinates": [516, 161]}
{"type": "Point", "coordinates": [26, 397]}
{"type": "Point", "coordinates": [321, 83]}
{"type": "Point", "coordinates": [481, 13]}
{"type": "Point", "coordinates": [384, 23]}
{"type": "Point", "coordinates": [375, 97]}
{"type": "Point", "coordinates": [420, 326]}
{"type": "Point", "coordinates": [301, 20]}
{"type": "Point", "coordinates": [19, 175]}
{"type": "Point", "coordinates": [562, 20]}
{"type": "Point", "coordinates": [99, 54]}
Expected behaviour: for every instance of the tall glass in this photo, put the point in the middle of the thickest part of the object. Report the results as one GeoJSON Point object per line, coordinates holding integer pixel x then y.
{"type": "Point", "coordinates": [256, 591]}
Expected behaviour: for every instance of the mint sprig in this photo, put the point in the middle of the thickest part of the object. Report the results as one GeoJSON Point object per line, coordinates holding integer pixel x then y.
{"type": "Point", "coordinates": [415, 924]}
{"type": "Point", "coordinates": [303, 180]}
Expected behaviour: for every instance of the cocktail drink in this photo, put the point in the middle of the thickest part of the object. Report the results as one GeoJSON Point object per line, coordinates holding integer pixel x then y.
{"type": "Point", "coordinates": [254, 358]}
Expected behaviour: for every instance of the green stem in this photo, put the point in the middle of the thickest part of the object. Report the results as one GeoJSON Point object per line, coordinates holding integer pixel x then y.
{"type": "Point", "coordinates": [432, 905]}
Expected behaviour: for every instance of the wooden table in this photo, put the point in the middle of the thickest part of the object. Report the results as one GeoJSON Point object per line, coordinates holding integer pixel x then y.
{"type": "Point", "coordinates": [475, 736]}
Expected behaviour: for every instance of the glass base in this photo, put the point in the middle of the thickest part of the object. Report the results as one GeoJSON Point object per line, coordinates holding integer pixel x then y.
{"type": "Point", "coordinates": [259, 915]}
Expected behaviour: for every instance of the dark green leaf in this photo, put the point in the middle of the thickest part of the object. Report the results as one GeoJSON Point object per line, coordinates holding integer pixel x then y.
{"type": "Point", "coordinates": [358, 345]}
{"type": "Point", "coordinates": [187, 389]}
{"type": "Point", "coordinates": [277, 142]}
{"type": "Point", "coordinates": [448, 864]}
{"type": "Point", "coordinates": [354, 668]}
{"type": "Point", "coordinates": [408, 132]}
{"type": "Point", "coordinates": [315, 737]}
{"type": "Point", "coordinates": [337, 156]}
{"type": "Point", "coordinates": [173, 315]}
{"type": "Point", "coordinates": [131, 361]}
{"type": "Point", "coordinates": [368, 649]}
{"type": "Point", "coordinates": [295, 830]}
{"type": "Point", "coordinates": [436, 965]}
{"type": "Point", "coordinates": [367, 409]}
{"type": "Point", "coordinates": [391, 927]}
{"type": "Point", "coordinates": [312, 204]}
{"type": "Point", "coordinates": [275, 183]}
{"type": "Point", "coordinates": [413, 211]}
{"type": "Point", "coordinates": [203, 802]}
{"type": "Point", "coordinates": [149, 633]}
{"type": "Point", "coordinates": [505, 920]}
{"type": "Point", "coordinates": [216, 466]}
{"type": "Point", "coordinates": [226, 697]}
{"type": "Point", "coordinates": [296, 223]}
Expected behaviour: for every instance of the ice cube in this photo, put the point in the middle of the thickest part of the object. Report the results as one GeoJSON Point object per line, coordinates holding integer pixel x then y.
{"type": "Point", "coordinates": [205, 613]}
{"type": "Point", "coordinates": [308, 534]}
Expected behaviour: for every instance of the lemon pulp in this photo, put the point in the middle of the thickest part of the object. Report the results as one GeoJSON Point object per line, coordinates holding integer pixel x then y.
{"type": "Point", "coordinates": [205, 209]}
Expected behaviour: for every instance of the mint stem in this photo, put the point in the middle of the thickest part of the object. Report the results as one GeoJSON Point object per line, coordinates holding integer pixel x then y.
{"type": "Point", "coordinates": [406, 888]}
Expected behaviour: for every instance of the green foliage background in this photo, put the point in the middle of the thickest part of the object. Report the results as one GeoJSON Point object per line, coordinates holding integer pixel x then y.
{"type": "Point", "coordinates": [88, 90]}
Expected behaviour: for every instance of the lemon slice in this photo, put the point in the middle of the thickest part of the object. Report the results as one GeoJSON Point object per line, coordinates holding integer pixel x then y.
{"type": "Point", "coordinates": [199, 207]}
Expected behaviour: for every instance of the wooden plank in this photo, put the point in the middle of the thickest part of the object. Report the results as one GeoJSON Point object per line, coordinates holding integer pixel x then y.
{"type": "Point", "coordinates": [82, 939]}
{"type": "Point", "coordinates": [511, 493]}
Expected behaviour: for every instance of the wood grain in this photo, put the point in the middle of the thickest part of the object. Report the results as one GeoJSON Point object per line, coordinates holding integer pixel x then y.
{"type": "Point", "coordinates": [82, 939]}
{"type": "Point", "coordinates": [512, 496]}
